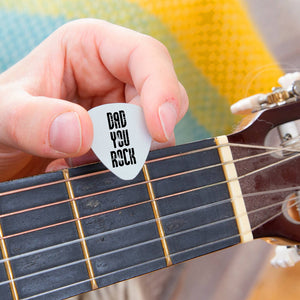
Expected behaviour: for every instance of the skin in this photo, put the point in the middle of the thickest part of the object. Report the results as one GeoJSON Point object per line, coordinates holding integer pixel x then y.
{"type": "Point", "coordinates": [44, 98]}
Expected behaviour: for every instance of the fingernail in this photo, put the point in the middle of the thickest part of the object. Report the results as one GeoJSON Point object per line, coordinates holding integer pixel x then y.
{"type": "Point", "coordinates": [168, 118]}
{"type": "Point", "coordinates": [65, 133]}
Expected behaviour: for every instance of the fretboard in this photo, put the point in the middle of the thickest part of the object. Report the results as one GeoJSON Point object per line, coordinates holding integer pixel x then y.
{"type": "Point", "coordinates": [179, 208]}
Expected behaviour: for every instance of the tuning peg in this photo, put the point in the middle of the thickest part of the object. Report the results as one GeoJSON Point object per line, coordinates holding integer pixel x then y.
{"type": "Point", "coordinates": [290, 91]}
{"type": "Point", "coordinates": [246, 105]}
{"type": "Point", "coordinates": [285, 256]}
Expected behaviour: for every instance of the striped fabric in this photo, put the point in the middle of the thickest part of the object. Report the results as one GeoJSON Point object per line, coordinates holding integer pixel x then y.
{"type": "Point", "coordinates": [221, 52]}
{"type": "Point", "coordinates": [218, 54]}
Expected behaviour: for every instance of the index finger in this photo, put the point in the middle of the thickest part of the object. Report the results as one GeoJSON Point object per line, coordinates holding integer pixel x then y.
{"type": "Point", "coordinates": [144, 63]}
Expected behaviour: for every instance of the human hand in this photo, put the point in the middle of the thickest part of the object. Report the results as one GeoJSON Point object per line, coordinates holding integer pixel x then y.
{"type": "Point", "coordinates": [44, 98]}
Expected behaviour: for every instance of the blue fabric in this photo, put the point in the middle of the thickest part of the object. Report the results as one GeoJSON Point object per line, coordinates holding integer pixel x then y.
{"type": "Point", "coordinates": [18, 41]}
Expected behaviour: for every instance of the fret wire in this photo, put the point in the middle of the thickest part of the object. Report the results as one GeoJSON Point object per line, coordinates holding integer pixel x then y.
{"type": "Point", "coordinates": [125, 248]}
{"type": "Point", "coordinates": [80, 231]}
{"type": "Point", "coordinates": [97, 277]}
{"type": "Point", "coordinates": [275, 149]}
{"type": "Point", "coordinates": [224, 201]}
{"type": "Point", "coordinates": [128, 268]}
{"type": "Point", "coordinates": [102, 172]}
{"type": "Point", "coordinates": [289, 158]}
{"type": "Point", "coordinates": [83, 260]}
{"type": "Point", "coordinates": [132, 185]}
{"type": "Point", "coordinates": [157, 216]}
{"type": "Point", "coordinates": [264, 153]}
{"type": "Point", "coordinates": [153, 240]}
{"type": "Point", "coordinates": [124, 207]}
{"type": "Point", "coordinates": [137, 245]}
{"type": "Point", "coordinates": [8, 267]}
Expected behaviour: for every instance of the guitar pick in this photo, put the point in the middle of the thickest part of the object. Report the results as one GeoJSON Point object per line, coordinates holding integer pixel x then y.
{"type": "Point", "coordinates": [121, 139]}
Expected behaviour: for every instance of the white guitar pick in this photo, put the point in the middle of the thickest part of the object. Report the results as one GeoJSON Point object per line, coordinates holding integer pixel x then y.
{"type": "Point", "coordinates": [121, 139]}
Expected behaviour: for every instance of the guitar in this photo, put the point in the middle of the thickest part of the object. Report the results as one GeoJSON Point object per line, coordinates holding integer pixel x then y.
{"type": "Point", "coordinates": [72, 231]}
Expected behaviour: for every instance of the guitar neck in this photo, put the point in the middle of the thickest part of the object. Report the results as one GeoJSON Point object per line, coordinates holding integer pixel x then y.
{"type": "Point", "coordinates": [69, 232]}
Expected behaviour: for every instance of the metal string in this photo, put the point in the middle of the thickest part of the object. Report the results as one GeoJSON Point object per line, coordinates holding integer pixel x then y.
{"type": "Point", "coordinates": [147, 201]}
{"type": "Point", "coordinates": [273, 150]}
{"type": "Point", "coordinates": [152, 240]}
{"type": "Point", "coordinates": [209, 205]}
{"type": "Point", "coordinates": [144, 243]}
{"type": "Point", "coordinates": [143, 202]}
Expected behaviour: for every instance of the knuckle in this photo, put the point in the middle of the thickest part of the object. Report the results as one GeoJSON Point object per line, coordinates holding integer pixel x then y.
{"type": "Point", "coordinates": [157, 45]}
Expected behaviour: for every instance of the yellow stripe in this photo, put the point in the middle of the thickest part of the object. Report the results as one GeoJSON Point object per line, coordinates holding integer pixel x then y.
{"type": "Point", "coordinates": [221, 40]}
{"type": "Point", "coordinates": [80, 230]}
{"type": "Point", "coordinates": [157, 217]}
{"type": "Point", "coordinates": [8, 268]}
{"type": "Point", "coordinates": [234, 189]}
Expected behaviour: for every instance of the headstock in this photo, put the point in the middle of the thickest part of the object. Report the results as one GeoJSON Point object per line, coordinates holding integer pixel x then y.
{"type": "Point", "coordinates": [267, 159]}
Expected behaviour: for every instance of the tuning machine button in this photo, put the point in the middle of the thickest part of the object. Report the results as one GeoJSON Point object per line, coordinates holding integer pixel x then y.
{"type": "Point", "coordinates": [286, 256]}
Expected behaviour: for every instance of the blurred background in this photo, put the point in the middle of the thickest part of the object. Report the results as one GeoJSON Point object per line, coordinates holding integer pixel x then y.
{"type": "Point", "coordinates": [276, 284]}
{"type": "Point", "coordinates": [223, 50]}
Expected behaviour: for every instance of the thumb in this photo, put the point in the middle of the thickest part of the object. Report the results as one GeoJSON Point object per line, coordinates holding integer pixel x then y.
{"type": "Point", "coordinates": [44, 126]}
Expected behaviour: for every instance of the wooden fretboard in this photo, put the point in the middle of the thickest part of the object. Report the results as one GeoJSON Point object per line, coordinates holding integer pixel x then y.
{"type": "Point", "coordinates": [119, 224]}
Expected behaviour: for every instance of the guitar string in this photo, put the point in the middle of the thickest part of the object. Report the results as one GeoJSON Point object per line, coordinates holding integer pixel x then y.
{"type": "Point", "coordinates": [279, 149]}
{"type": "Point", "coordinates": [205, 206]}
{"type": "Point", "coordinates": [114, 272]}
{"type": "Point", "coordinates": [103, 172]}
{"type": "Point", "coordinates": [143, 243]}
{"type": "Point", "coordinates": [136, 184]}
{"type": "Point", "coordinates": [249, 212]}
{"type": "Point", "coordinates": [211, 243]}
{"type": "Point", "coordinates": [281, 161]}
{"type": "Point", "coordinates": [292, 157]}
{"type": "Point", "coordinates": [101, 276]}
{"type": "Point", "coordinates": [136, 204]}
{"type": "Point", "coordinates": [106, 274]}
